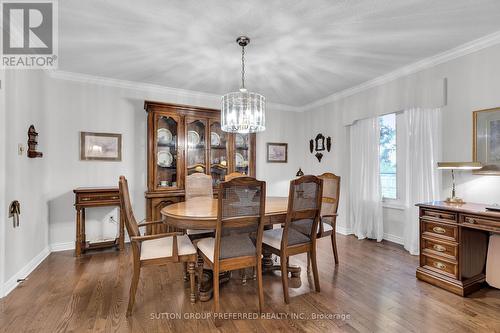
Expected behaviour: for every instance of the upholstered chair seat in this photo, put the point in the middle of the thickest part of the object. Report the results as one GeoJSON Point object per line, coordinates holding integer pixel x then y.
{"type": "Point", "coordinates": [162, 247]}
{"type": "Point", "coordinates": [273, 237]}
{"type": "Point", "coordinates": [305, 226]}
{"type": "Point", "coordinates": [231, 247]}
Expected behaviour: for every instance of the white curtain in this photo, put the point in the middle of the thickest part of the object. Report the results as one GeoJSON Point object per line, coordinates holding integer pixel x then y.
{"type": "Point", "coordinates": [423, 181]}
{"type": "Point", "coordinates": [365, 197]}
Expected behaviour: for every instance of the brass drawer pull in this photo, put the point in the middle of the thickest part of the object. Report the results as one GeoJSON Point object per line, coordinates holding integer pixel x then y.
{"type": "Point", "coordinates": [86, 199]}
{"type": "Point", "coordinates": [470, 220]}
{"type": "Point", "coordinates": [114, 198]}
{"type": "Point", "coordinates": [439, 248]}
{"type": "Point", "coordinates": [439, 230]}
{"type": "Point", "coordinates": [439, 265]}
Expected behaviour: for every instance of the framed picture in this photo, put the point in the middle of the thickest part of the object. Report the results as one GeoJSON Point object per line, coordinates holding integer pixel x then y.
{"type": "Point", "coordinates": [277, 152]}
{"type": "Point", "coordinates": [100, 146]}
{"type": "Point", "coordinates": [486, 147]}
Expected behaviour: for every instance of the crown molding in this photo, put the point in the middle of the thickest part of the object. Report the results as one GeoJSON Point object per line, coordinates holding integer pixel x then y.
{"type": "Point", "coordinates": [459, 51]}
{"type": "Point", "coordinates": [214, 99]}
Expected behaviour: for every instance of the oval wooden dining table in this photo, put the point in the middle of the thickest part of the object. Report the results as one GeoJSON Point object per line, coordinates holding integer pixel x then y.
{"type": "Point", "coordinates": [201, 214]}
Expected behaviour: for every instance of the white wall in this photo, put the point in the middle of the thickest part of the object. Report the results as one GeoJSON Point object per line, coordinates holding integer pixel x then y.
{"type": "Point", "coordinates": [25, 178]}
{"type": "Point", "coordinates": [3, 203]}
{"type": "Point", "coordinates": [281, 127]}
{"type": "Point", "coordinates": [472, 84]}
{"type": "Point", "coordinates": [323, 120]}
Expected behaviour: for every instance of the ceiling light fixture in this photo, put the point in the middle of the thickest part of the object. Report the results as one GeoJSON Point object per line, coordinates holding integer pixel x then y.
{"type": "Point", "coordinates": [243, 111]}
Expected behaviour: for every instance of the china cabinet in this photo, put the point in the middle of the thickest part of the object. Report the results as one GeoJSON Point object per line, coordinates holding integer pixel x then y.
{"type": "Point", "coordinates": [183, 140]}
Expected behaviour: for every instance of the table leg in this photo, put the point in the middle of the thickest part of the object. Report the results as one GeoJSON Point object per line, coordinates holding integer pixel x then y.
{"type": "Point", "coordinates": [78, 249]}
{"type": "Point", "coordinates": [83, 237]}
{"type": "Point", "coordinates": [268, 265]}
{"type": "Point", "coordinates": [207, 284]}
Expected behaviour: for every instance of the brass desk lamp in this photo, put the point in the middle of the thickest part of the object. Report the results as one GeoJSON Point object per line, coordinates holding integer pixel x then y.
{"type": "Point", "coordinates": [457, 166]}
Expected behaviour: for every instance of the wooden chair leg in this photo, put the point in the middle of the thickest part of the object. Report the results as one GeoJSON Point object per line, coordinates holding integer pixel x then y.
{"type": "Point", "coordinates": [259, 285]}
{"type": "Point", "coordinates": [133, 288]}
{"type": "Point", "coordinates": [216, 296]}
{"type": "Point", "coordinates": [191, 268]}
{"type": "Point", "coordinates": [284, 278]}
{"type": "Point", "coordinates": [315, 268]}
{"type": "Point", "coordinates": [308, 262]}
{"type": "Point", "coordinates": [334, 246]}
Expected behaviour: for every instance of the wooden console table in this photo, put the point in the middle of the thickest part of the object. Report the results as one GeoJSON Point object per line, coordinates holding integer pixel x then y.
{"type": "Point", "coordinates": [454, 244]}
{"type": "Point", "coordinates": [86, 197]}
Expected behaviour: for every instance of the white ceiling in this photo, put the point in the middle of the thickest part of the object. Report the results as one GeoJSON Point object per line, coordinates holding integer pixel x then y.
{"type": "Point", "coordinates": [300, 51]}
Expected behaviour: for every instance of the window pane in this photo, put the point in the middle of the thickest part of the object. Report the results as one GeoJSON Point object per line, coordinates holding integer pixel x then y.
{"type": "Point", "coordinates": [387, 155]}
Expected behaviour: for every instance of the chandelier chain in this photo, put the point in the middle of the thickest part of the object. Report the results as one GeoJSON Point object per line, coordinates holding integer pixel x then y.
{"type": "Point", "coordinates": [243, 67]}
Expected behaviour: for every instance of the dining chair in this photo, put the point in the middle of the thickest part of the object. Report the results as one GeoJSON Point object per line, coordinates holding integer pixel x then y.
{"type": "Point", "coordinates": [304, 205]}
{"type": "Point", "coordinates": [233, 175]}
{"type": "Point", "coordinates": [198, 185]}
{"type": "Point", "coordinates": [329, 207]}
{"type": "Point", "coordinates": [158, 249]}
{"type": "Point", "coordinates": [238, 235]}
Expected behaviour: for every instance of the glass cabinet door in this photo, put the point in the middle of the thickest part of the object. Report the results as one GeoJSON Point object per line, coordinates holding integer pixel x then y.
{"type": "Point", "coordinates": [242, 153]}
{"type": "Point", "coordinates": [218, 153]}
{"type": "Point", "coordinates": [196, 146]}
{"type": "Point", "coordinates": [166, 152]}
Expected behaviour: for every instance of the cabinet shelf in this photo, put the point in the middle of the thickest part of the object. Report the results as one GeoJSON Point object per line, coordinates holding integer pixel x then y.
{"type": "Point", "coordinates": [170, 145]}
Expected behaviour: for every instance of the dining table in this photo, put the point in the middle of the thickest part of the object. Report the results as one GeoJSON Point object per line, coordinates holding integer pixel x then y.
{"type": "Point", "coordinates": [201, 214]}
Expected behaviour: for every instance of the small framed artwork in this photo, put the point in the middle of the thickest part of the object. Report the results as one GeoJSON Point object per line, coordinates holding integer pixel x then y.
{"type": "Point", "coordinates": [486, 141]}
{"type": "Point", "coordinates": [100, 146]}
{"type": "Point", "coordinates": [277, 152]}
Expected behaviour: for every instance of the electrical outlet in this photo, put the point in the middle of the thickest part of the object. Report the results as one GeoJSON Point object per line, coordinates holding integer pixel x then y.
{"type": "Point", "coordinates": [20, 149]}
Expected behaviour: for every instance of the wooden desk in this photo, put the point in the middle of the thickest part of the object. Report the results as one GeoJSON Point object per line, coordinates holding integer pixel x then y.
{"type": "Point", "coordinates": [454, 244]}
{"type": "Point", "coordinates": [86, 197]}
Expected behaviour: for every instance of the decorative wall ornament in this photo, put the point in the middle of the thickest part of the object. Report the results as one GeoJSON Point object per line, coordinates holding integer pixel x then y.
{"type": "Point", "coordinates": [299, 173]}
{"type": "Point", "coordinates": [32, 143]}
{"type": "Point", "coordinates": [318, 144]}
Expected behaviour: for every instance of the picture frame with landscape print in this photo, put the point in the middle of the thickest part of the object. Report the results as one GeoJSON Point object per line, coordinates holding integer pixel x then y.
{"type": "Point", "coordinates": [277, 152]}
{"type": "Point", "coordinates": [486, 147]}
{"type": "Point", "coordinates": [100, 146]}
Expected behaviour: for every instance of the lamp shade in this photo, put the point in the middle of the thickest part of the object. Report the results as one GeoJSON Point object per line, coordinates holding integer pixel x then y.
{"type": "Point", "coordinates": [243, 112]}
{"type": "Point", "coordinates": [459, 165]}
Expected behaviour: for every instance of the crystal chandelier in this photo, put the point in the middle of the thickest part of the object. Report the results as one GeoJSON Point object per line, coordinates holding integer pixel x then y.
{"type": "Point", "coordinates": [243, 111]}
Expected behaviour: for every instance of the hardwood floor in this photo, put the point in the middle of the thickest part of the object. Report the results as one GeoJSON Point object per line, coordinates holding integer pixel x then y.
{"type": "Point", "coordinates": [374, 286]}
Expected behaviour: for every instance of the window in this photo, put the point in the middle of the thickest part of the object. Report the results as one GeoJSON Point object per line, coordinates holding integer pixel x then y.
{"type": "Point", "coordinates": [387, 156]}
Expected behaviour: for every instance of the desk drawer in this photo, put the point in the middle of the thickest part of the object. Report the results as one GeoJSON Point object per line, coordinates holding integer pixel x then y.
{"type": "Point", "coordinates": [436, 247]}
{"type": "Point", "coordinates": [98, 197]}
{"type": "Point", "coordinates": [438, 215]}
{"type": "Point", "coordinates": [481, 223]}
{"type": "Point", "coordinates": [439, 230]}
{"type": "Point", "coordinates": [439, 265]}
